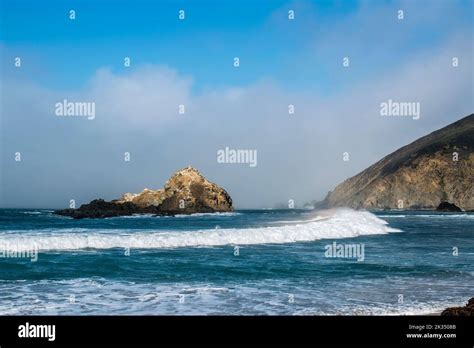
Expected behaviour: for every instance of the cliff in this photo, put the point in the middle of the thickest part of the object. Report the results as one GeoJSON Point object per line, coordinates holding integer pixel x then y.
{"type": "Point", "coordinates": [429, 173]}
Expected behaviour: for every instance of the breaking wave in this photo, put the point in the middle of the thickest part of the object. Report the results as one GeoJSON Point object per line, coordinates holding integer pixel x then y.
{"type": "Point", "coordinates": [340, 223]}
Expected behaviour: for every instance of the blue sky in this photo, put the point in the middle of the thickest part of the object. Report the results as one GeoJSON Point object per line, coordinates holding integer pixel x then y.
{"type": "Point", "coordinates": [65, 53]}
{"type": "Point", "coordinates": [191, 62]}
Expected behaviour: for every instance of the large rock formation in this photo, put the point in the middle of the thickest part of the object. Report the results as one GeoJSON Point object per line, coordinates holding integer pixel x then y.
{"type": "Point", "coordinates": [186, 192]}
{"type": "Point", "coordinates": [429, 173]}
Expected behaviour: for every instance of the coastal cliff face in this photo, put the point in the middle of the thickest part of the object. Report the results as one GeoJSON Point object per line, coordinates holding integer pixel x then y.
{"type": "Point", "coordinates": [426, 174]}
{"type": "Point", "coordinates": [186, 192]}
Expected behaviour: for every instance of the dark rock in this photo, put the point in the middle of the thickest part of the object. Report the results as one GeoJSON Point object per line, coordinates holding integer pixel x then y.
{"type": "Point", "coordinates": [446, 206]}
{"type": "Point", "coordinates": [99, 208]}
{"type": "Point", "coordinates": [467, 310]}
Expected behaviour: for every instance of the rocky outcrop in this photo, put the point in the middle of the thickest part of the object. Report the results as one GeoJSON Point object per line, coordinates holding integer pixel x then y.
{"type": "Point", "coordinates": [467, 310]}
{"type": "Point", "coordinates": [186, 192]}
{"type": "Point", "coordinates": [436, 168]}
{"type": "Point", "coordinates": [99, 208]}
{"type": "Point", "coordinates": [446, 206]}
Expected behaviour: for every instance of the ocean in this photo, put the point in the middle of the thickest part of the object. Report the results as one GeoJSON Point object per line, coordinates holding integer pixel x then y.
{"type": "Point", "coordinates": [249, 262]}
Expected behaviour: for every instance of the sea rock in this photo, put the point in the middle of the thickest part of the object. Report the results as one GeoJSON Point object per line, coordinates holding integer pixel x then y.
{"type": "Point", "coordinates": [186, 192]}
{"type": "Point", "coordinates": [446, 206]}
{"type": "Point", "coordinates": [467, 310]}
{"type": "Point", "coordinates": [436, 168]}
{"type": "Point", "coordinates": [99, 208]}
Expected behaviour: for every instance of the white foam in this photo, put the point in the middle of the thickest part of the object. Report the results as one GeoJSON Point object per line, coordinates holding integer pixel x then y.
{"type": "Point", "coordinates": [392, 216]}
{"type": "Point", "coordinates": [462, 216]}
{"type": "Point", "coordinates": [223, 214]}
{"type": "Point", "coordinates": [134, 216]}
{"type": "Point", "coordinates": [341, 223]}
{"type": "Point", "coordinates": [142, 216]}
{"type": "Point", "coordinates": [429, 308]}
{"type": "Point", "coordinates": [438, 216]}
{"type": "Point", "coordinates": [317, 218]}
{"type": "Point", "coordinates": [100, 296]}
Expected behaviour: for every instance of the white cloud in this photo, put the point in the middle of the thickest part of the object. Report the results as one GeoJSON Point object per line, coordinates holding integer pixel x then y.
{"type": "Point", "coordinates": [299, 156]}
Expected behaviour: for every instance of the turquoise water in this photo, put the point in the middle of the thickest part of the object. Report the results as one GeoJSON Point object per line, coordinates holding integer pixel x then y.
{"type": "Point", "coordinates": [248, 262]}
